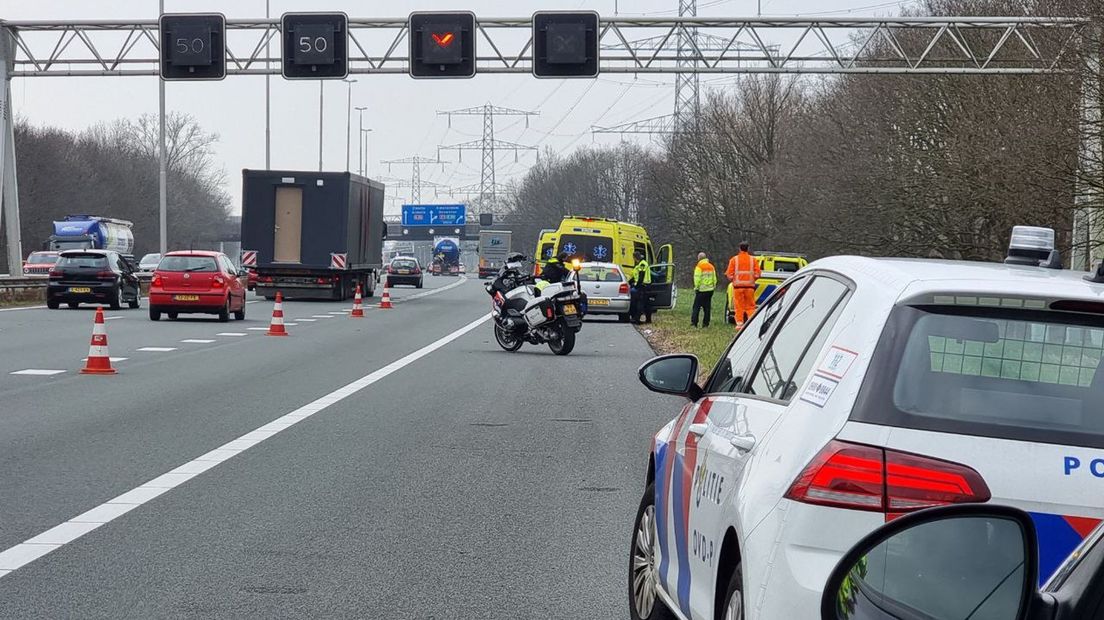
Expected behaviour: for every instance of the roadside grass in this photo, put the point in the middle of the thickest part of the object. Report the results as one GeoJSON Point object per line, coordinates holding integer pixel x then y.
{"type": "Point", "coordinates": [671, 331]}
{"type": "Point", "coordinates": [16, 298]}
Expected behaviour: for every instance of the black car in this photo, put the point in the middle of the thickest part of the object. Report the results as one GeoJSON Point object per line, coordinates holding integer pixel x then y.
{"type": "Point", "coordinates": [404, 270]}
{"type": "Point", "coordinates": [964, 561]}
{"type": "Point", "coordinates": [92, 277]}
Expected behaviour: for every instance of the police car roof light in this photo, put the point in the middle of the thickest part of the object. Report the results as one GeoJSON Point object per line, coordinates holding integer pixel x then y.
{"type": "Point", "coordinates": [1098, 277]}
{"type": "Point", "coordinates": [1034, 246]}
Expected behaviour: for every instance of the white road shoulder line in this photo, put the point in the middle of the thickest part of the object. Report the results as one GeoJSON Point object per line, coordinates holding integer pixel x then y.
{"type": "Point", "coordinates": [157, 349]}
{"type": "Point", "coordinates": [198, 341]}
{"type": "Point", "coordinates": [33, 548]}
{"type": "Point", "coordinates": [257, 329]}
{"type": "Point", "coordinates": [38, 372]}
{"type": "Point", "coordinates": [235, 333]}
{"type": "Point", "coordinates": [306, 320]}
{"type": "Point", "coordinates": [22, 308]}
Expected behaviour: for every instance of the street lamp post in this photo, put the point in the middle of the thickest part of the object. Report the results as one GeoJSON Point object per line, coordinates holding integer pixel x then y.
{"type": "Point", "coordinates": [360, 142]}
{"type": "Point", "coordinates": [321, 95]}
{"type": "Point", "coordinates": [367, 162]}
{"type": "Point", "coordinates": [348, 123]}
{"type": "Point", "coordinates": [268, 100]}
{"type": "Point", "coordinates": [163, 166]}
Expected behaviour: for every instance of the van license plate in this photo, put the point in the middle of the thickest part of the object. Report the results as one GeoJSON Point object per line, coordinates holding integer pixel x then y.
{"type": "Point", "coordinates": [185, 297]}
{"type": "Point", "coordinates": [79, 289]}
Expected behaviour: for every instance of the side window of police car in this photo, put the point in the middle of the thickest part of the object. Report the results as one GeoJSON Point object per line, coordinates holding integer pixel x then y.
{"type": "Point", "coordinates": [734, 367]}
{"type": "Point", "coordinates": [797, 343]}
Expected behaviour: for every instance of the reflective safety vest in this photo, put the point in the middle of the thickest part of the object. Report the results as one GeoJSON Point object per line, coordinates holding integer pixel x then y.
{"type": "Point", "coordinates": [705, 276]}
{"type": "Point", "coordinates": [743, 270]}
{"type": "Point", "coordinates": [642, 273]}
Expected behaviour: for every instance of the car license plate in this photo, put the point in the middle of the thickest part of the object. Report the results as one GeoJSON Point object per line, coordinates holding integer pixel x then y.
{"type": "Point", "coordinates": [79, 289]}
{"type": "Point", "coordinates": [569, 309]}
{"type": "Point", "coordinates": [403, 272]}
{"type": "Point", "coordinates": [185, 297]}
{"type": "Point", "coordinates": [598, 302]}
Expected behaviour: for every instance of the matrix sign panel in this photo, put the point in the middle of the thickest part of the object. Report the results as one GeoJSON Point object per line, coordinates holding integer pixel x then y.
{"type": "Point", "coordinates": [442, 45]}
{"type": "Point", "coordinates": [315, 45]}
{"type": "Point", "coordinates": [193, 46]}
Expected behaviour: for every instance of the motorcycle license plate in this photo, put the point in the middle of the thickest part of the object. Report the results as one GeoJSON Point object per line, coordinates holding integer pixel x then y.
{"type": "Point", "coordinates": [79, 289]}
{"type": "Point", "coordinates": [570, 309]}
{"type": "Point", "coordinates": [185, 297]}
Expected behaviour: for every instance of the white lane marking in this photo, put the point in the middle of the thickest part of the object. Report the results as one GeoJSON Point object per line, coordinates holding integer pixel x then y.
{"type": "Point", "coordinates": [337, 312]}
{"type": "Point", "coordinates": [255, 301]}
{"type": "Point", "coordinates": [38, 372]}
{"type": "Point", "coordinates": [157, 349]}
{"type": "Point", "coordinates": [257, 329]}
{"type": "Point", "coordinates": [322, 316]}
{"type": "Point", "coordinates": [33, 548]}
{"type": "Point", "coordinates": [434, 291]}
{"type": "Point", "coordinates": [234, 333]}
{"type": "Point", "coordinates": [306, 320]}
{"type": "Point", "coordinates": [290, 324]}
{"type": "Point", "coordinates": [112, 318]}
{"type": "Point", "coordinates": [22, 308]}
{"type": "Point", "coordinates": [198, 341]}
{"type": "Point", "coordinates": [113, 359]}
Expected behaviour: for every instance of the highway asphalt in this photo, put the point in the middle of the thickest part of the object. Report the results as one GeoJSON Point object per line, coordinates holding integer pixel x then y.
{"type": "Point", "coordinates": [428, 473]}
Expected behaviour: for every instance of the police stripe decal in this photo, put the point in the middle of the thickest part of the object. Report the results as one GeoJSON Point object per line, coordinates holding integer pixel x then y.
{"type": "Point", "coordinates": [687, 462]}
{"type": "Point", "coordinates": [664, 469]}
{"type": "Point", "coordinates": [1058, 535]}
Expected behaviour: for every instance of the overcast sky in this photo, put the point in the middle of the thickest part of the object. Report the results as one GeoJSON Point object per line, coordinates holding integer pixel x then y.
{"type": "Point", "coordinates": [401, 111]}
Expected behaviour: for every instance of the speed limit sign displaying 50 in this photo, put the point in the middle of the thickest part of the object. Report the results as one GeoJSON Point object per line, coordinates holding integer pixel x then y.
{"type": "Point", "coordinates": [193, 46]}
{"type": "Point", "coordinates": [315, 45]}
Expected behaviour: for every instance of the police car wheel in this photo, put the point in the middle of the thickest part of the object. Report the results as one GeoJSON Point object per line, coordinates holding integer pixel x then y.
{"type": "Point", "coordinates": [644, 602]}
{"type": "Point", "coordinates": [734, 596]}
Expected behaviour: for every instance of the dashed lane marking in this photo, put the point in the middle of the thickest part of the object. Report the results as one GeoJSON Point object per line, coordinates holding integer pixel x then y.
{"type": "Point", "coordinates": [257, 329]}
{"type": "Point", "coordinates": [198, 341]}
{"type": "Point", "coordinates": [113, 359]}
{"type": "Point", "coordinates": [235, 334]}
{"type": "Point", "coordinates": [38, 372]}
{"type": "Point", "coordinates": [322, 316]}
{"type": "Point", "coordinates": [157, 349]}
{"type": "Point", "coordinates": [20, 555]}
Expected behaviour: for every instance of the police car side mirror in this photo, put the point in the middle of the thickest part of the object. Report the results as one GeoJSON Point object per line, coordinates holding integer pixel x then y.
{"type": "Point", "coordinates": [959, 561]}
{"type": "Point", "coordinates": [672, 374]}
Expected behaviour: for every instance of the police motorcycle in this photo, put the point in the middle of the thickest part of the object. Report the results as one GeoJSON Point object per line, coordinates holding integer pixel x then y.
{"type": "Point", "coordinates": [526, 310]}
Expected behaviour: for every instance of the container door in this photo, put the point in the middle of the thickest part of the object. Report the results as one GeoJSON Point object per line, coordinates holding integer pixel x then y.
{"type": "Point", "coordinates": [289, 224]}
{"type": "Point", "coordinates": [664, 294]}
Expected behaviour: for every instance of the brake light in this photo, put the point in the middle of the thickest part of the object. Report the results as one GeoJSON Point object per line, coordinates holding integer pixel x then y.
{"type": "Point", "coordinates": [389, 270]}
{"type": "Point", "coordinates": [106, 274]}
{"type": "Point", "coordinates": [859, 477]}
{"type": "Point", "coordinates": [417, 270]}
{"type": "Point", "coordinates": [623, 289]}
{"type": "Point", "coordinates": [217, 282]}
{"type": "Point", "coordinates": [156, 281]}
{"type": "Point", "coordinates": [55, 274]}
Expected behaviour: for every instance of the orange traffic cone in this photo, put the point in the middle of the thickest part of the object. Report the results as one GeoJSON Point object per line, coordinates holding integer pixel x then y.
{"type": "Point", "coordinates": [99, 362]}
{"type": "Point", "coordinates": [358, 309]}
{"type": "Point", "coordinates": [385, 303]}
{"type": "Point", "coordinates": [276, 327]}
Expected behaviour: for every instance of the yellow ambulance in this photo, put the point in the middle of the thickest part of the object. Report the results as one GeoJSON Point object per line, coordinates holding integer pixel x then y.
{"type": "Point", "coordinates": [604, 240]}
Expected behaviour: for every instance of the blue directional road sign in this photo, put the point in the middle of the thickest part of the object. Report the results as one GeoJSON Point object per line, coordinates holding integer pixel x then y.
{"type": "Point", "coordinates": [434, 215]}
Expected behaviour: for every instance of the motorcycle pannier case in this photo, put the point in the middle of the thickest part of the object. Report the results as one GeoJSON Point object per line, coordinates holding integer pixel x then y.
{"type": "Point", "coordinates": [540, 312]}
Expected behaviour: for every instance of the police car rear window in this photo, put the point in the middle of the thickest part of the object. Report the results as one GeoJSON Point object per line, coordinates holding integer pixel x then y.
{"type": "Point", "coordinates": [1016, 374]}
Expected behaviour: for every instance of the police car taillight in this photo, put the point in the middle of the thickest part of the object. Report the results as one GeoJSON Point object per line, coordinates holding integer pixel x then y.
{"type": "Point", "coordinates": [859, 477]}
{"type": "Point", "coordinates": [1034, 246]}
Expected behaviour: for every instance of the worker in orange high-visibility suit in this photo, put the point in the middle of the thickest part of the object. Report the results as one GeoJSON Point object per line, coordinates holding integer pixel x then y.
{"type": "Point", "coordinates": [743, 270]}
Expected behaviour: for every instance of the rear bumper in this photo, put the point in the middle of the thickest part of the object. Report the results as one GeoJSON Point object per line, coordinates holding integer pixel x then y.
{"type": "Point", "coordinates": [299, 291]}
{"type": "Point", "coordinates": [407, 279]}
{"type": "Point", "coordinates": [616, 306]}
{"type": "Point", "coordinates": [98, 291]}
{"type": "Point", "coordinates": [208, 302]}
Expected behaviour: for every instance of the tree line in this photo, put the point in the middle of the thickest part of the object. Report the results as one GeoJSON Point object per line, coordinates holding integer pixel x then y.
{"type": "Point", "coordinates": [888, 165]}
{"type": "Point", "coordinates": [112, 170]}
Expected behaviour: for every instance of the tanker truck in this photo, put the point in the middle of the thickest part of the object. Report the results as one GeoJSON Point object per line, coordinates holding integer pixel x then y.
{"type": "Point", "coordinates": [91, 232]}
{"type": "Point", "coordinates": [446, 257]}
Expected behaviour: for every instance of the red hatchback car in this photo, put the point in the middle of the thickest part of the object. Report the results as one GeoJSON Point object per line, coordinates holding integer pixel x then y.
{"type": "Point", "coordinates": [197, 282]}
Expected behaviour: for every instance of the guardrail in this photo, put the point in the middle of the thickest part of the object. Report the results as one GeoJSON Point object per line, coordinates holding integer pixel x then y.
{"type": "Point", "coordinates": [16, 283]}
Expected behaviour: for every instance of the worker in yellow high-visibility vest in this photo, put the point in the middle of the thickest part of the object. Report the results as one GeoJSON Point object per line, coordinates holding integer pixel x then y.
{"type": "Point", "coordinates": [705, 282]}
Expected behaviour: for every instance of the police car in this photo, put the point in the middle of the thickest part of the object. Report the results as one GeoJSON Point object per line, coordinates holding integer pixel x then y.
{"type": "Point", "coordinates": [861, 390]}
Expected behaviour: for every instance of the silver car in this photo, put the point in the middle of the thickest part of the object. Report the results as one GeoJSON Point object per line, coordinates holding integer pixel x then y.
{"type": "Point", "coordinates": [606, 288]}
